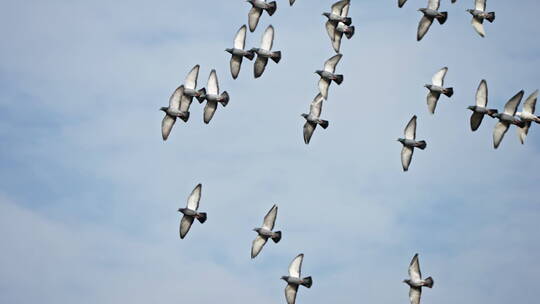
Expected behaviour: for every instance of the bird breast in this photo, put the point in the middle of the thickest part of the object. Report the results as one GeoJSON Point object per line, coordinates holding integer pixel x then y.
{"type": "Point", "coordinates": [264, 53]}
{"type": "Point", "coordinates": [431, 13]}
{"type": "Point", "coordinates": [265, 232]}
{"type": "Point", "coordinates": [189, 212]}
{"type": "Point", "coordinates": [190, 92]}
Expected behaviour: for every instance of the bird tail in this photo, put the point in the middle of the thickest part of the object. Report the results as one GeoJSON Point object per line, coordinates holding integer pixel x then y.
{"type": "Point", "coordinates": [429, 282]}
{"type": "Point", "coordinates": [307, 282]}
{"type": "Point", "coordinates": [449, 92]}
{"type": "Point", "coordinates": [277, 237]}
{"type": "Point", "coordinates": [537, 120]}
{"type": "Point", "coordinates": [250, 55]}
{"type": "Point", "coordinates": [492, 112]}
{"type": "Point", "coordinates": [276, 56]}
{"type": "Point", "coordinates": [324, 123]}
{"type": "Point", "coordinates": [338, 79]}
{"type": "Point", "coordinates": [422, 145]}
{"type": "Point", "coordinates": [202, 95]}
{"type": "Point", "coordinates": [201, 217]}
{"type": "Point", "coordinates": [350, 33]}
{"type": "Point", "coordinates": [224, 98]}
{"type": "Point", "coordinates": [185, 116]}
{"type": "Point", "coordinates": [442, 17]}
{"type": "Point", "coordinates": [490, 17]}
{"type": "Point", "coordinates": [348, 20]}
{"type": "Point", "coordinates": [272, 6]}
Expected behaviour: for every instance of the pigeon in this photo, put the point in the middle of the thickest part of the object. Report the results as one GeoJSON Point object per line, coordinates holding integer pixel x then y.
{"type": "Point", "coordinates": [264, 52]}
{"type": "Point", "coordinates": [190, 212]}
{"type": "Point", "coordinates": [265, 232]}
{"type": "Point", "coordinates": [294, 279]}
{"type": "Point", "coordinates": [409, 143]}
{"type": "Point", "coordinates": [527, 116]}
{"type": "Point", "coordinates": [238, 51]}
{"type": "Point", "coordinates": [190, 90]}
{"type": "Point", "coordinates": [436, 89]}
{"type": "Point", "coordinates": [479, 14]}
{"type": "Point", "coordinates": [339, 23]}
{"type": "Point", "coordinates": [258, 6]}
{"type": "Point", "coordinates": [402, 2]}
{"type": "Point", "coordinates": [174, 110]}
{"type": "Point", "coordinates": [313, 118]}
{"type": "Point", "coordinates": [327, 75]}
{"type": "Point", "coordinates": [480, 109]}
{"type": "Point", "coordinates": [507, 118]}
{"type": "Point", "coordinates": [416, 282]}
{"type": "Point", "coordinates": [213, 97]}
{"type": "Point", "coordinates": [430, 13]}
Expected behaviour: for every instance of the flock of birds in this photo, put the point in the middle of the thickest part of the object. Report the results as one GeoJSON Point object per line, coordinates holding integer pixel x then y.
{"type": "Point", "coordinates": [338, 24]}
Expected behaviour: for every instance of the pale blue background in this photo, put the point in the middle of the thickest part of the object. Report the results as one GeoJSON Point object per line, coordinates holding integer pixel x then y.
{"type": "Point", "coordinates": [89, 192]}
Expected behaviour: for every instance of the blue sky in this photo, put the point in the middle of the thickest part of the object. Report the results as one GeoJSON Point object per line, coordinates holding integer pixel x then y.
{"type": "Point", "coordinates": [89, 192]}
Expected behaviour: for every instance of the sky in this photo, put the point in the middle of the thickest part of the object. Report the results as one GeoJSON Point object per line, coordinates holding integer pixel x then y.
{"type": "Point", "coordinates": [89, 192]}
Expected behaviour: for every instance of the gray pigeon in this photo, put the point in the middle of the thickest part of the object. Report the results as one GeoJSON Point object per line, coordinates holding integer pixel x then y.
{"type": "Point", "coordinates": [507, 118]}
{"type": "Point", "coordinates": [339, 23]}
{"type": "Point", "coordinates": [213, 97]}
{"type": "Point", "coordinates": [313, 118]}
{"type": "Point", "coordinates": [436, 89]}
{"type": "Point", "coordinates": [190, 212]}
{"type": "Point", "coordinates": [238, 51]}
{"type": "Point", "coordinates": [430, 13]}
{"type": "Point", "coordinates": [294, 279]}
{"type": "Point", "coordinates": [402, 2]}
{"type": "Point", "coordinates": [480, 109]}
{"type": "Point", "coordinates": [265, 232]}
{"type": "Point", "coordinates": [409, 143]}
{"type": "Point", "coordinates": [327, 75]}
{"type": "Point", "coordinates": [174, 110]}
{"type": "Point", "coordinates": [416, 282]}
{"type": "Point", "coordinates": [527, 116]}
{"type": "Point", "coordinates": [258, 6]}
{"type": "Point", "coordinates": [190, 91]}
{"type": "Point", "coordinates": [264, 52]}
{"type": "Point", "coordinates": [479, 14]}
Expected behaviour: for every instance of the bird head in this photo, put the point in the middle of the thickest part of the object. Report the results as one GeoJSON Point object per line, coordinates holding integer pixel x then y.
{"type": "Point", "coordinates": [256, 229]}
{"type": "Point", "coordinates": [229, 50]}
{"type": "Point", "coordinates": [469, 10]}
{"type": "Point", "coordinates": [304, 115]}
{"type": "Point", "coordinates": [401, 140]}
{"type": "Point", "coordinates": [470, 108]}
{"type": "Point", "coordinates": [164, 109]}
{"type": "Point", "coordinates": [423, 10]}
{"type": "Point", "coordinates": [284, 278]}
{"type": "Point", "coordinates": [181, 210]}
{"type": "Point", "coordinates": [326, 15]}
{"type": "Point", "coordinates": [406, 281]}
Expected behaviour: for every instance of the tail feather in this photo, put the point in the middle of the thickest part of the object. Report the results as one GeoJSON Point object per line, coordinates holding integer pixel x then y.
{"type": "Point", "coordinates": [491, 17]}
{"type": "Point", "coordinates": [250, 55]}
{"type": "Point", "coordinates": [442, 18]}
{"type": "Point", "coordinates": [423, 144]}
{"type": "Point", "coordinates": [324, 124]}
{"type": "Point", "coordinates": [307, 282]}
{"type": "Point", "coordinates": [224, 98]}
{"type": "Point", "coordinates": [276, 56]}
{"type": "Point", "coordinates": [201, 217]}
{"type": "Point", "coordinates": [202, 95]}
{"type": "Point", "coordinates": [339, 79]}
{"type": "Point", "coordinates": [185, 117]}
{"type": "Point", "coordinates": [429, 282]}
{"type": "Point", "coordinates": [449, 92]}
{"type": "Point", "coordinates": [492, 112]}
{"type": "Point", "coordinates": [277, 237]}
{"type": "Point", "coordinates": [272, 6]}
{"type": "Point", "coordinates": [348, 20]}
{"type": "Point", "coordinates": [350, 33]}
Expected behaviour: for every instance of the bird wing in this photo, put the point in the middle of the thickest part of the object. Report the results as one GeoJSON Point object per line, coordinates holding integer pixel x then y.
{"type": "Point", "coordinates": [268, 38]}
{"type": "Point", "coordinates": [236, 63]}
{"type": "Point", "coordinates": [240, 38]}
{"type": "Point", "coordinates": [330, 29]}
{"type": "Point", "coordinates": [257, 246]}
{"type": "Point", "coordinates": [185, 103]}
{"type": "Point", "coordinates": [316, 106]}
{"type": "Point", "coordinates": [511, 106]}
{"type": "Point", "coordinates": [423, 27]}
{"type": "Point", "coordinates": [345, 9]}
{"type": "Point", "coordinates": [406, 157]}
{"type": "Point", "coordinates": [309, 128]}
{"type": "Point", "coordinates": [290, 293]}
{"type": "Point", "coordinates": [478, 26]}
{"type": "Point", "coordinates": [482, 94]}
{"type": "Point", "coordinates": [213, 85]}
{"type": "Point", "coordinates": [530, 104]}
{"type": "Point", "coordinates": [414, 295]}
{"type": "Point", "coordinates": [498, 133]}
{"type": "Point", "coordinates": [401, 3]}
{"type": "Point", "coordinates": [476, 120]}
{"type": "Point", "coordinates": [167, 125]}
{"type": "Point", "coordinates": [324, 84]}
{"type": "Point", "coordinates": [191, 78]}
{"type": "Point", "coordinates": [259, 66]}
{"type": "Point", "coordinates": [330, 64]}
{"type": "Point", "coordinates": [522, 132]}
{"type": "Point", "coordinates": [295, 269]}
{"type": "Point", "coordinates": [438, 78]}
{"type": "Point", "coordinates": [434, 4]}
{"type": "Point", "coordinates": [336, 42]}
{"type": "Point", "coordinates": [194, 198]}
{"type": "Point", "coordinates": [432, 99]}
{"type": "Point", "coordinates": [253, 18]}
{"type": "Point", "coordinates": [185, 224]}
{"type": "Point", "coordinates": [414, 269]}
{"type": "Point", "coordinates": [270, 218]}
{"type": "Point", "coordinates": [338, 6]}
{"type": "Point", "coordinates": [410, 129]}
{"type": "Point", "coordinates": [176, 97]}
{"type": "Point", "coordinates": [209, 110]}
{"type": "Point", "coordinates": [480, 5]}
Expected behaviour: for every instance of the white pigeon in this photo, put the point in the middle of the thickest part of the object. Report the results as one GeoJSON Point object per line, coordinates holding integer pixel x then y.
{"type": "Point", "coordinates": [213, 97]}
{"type": "Point", "coordinates": [507, 118]}
{"type": "Point", "coordinates": [190, 212]}
{"type": "Point", "coordinates": [258, 6]}
{"type": "Point", "coordinates": [339, 23]}
{"type": "Point", "coordinates": [436, 88]}
{"type": "Point", "coordinates": [409, 143]}
{"type": "Point", "coordinates": [416, 282]}
{"type": "Point", "coordinates": [265, 232]}
{"type": "Point", "coordinates": [527, 116]}
{"type": "Point", "coordinates": [264, 52]}
{"type": "Point", "coordinates": [430, 13]}
{"type": "Point", "coordinates": [479, 14]}
{"type": "Point", "coordinates": [190, 88]}
{"type": "Point", "coordinates": [294, 279]}
{"type": "Point", "coordinates": [327, 75]}
{"type": "Point", "coordinates": [313, 118]}
{"type": "Point", "coordinates": [173, 111]}
{"type": "Point", "coordinates": [480, 109]}
{"type": "Point", "coordinates": [238, 52]}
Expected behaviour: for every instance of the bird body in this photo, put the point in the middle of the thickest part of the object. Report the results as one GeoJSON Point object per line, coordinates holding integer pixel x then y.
{"type": "Point", "coordinates": [436, 88]}
{"type": "Point", "coordinates": [313, 118]}
{"type": "Point", "coordinates": [479, 14]}
{"type": "Point", "coordinates": [294, 279]}
{"type": "Point", "coordinates": [507, 118]}
{"type": "Point", "coordinates": [409, 143]}
{"type": "Point", "coordinates": [213, 97]}
{"type": "Point", "coordinates": [265, 232]}
{"type": "Point", "coordinates": [258, 6]}
{"type": "Point", "coordinates": [190, 213]}
{"type": "Point", "coordinates": [265, 52]}
{"type": "Point", "coordinates": [238, 52]}
{"type": "Point", "coordinates": [480, 109]}
{"type": "Point", "coordinates": [339, 23]}
{"type": "Point", "coordinates": [430, 13]}
{"type": "Point", "coordinates": [416, 282]}
{"type": "Point", "coordinates": [327, 75]}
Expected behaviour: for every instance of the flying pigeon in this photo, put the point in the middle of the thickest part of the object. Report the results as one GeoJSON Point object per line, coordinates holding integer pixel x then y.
{"type": "Point", "coordinates": [213, 97]}
{"type": "Point", "coordinates": [436, 89]}
{"type": "Point", "coordinates": [430, 13]}
{"type": "Point", "coordinates": [174, 110]}
{"type": "Point", "coordinates": [402, 2]}
{"type": "Point", "coordinates": [294, 279]}
{"type": "Point", "coordinates": [507, 118]}
{"type": "Point", "coordinates": [190, 212]}
{"type": "Point", "coordinates": [190, 91]}
{"type": "Point", "coordinates": [480, 109]}
{"type": "Point", "coordinates": [327, 75]}
{"type": "Point", "coordinates": [313, 118]}
{"type": "Point", "coordinates": [409, 143]}
{"type": "Point", "coordinates": [339, 23]}
{"type": "Point", "coordinates": [264, 52]}
{"type": "Point", "coordinates": [265, 232]}
{"type": "Point", "coordinates": [479, 14]}
{"type": "Point", "coordinates": [238, 51]}
{"type": "Point", "coordinates": [527, 116]}
{"type": "Point", "coordinates": [416, 282]}
{"type": "Point", "coordinates": [258, 6]}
